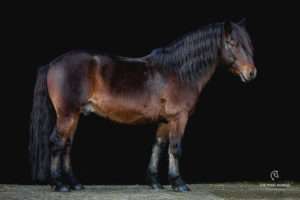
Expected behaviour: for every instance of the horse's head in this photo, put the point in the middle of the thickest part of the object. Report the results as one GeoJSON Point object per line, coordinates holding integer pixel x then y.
{"type": "Point", "coordinates": [237, 51]}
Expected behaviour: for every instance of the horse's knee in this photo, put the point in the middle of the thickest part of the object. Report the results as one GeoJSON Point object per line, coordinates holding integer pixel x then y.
{"type": "Point", "coordinates": [175, 148]}
{"type": "Point", "coordinates": [161, 142]}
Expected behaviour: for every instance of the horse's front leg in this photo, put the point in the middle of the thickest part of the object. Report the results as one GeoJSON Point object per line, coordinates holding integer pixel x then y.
{"type": "Point", "coordinates": [177, 127]}
{"type": "Point", "coordinates": [158, 148]}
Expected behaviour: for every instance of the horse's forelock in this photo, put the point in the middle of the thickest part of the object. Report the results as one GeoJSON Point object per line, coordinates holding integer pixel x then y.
{"type": "Point", "coordinates": [244, 38]}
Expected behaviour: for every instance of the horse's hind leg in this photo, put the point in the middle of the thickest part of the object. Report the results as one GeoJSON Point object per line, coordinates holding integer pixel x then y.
{"type": "Point", "coordinates": [160, 144]}
{"type": "Point", "coordinates": [59, 142]}
{"type": "Point", "coordinates": [67, 166]}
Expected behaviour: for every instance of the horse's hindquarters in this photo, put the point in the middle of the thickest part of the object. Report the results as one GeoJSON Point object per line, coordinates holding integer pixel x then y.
{"type": "Point", "coordinates": [70, 82]}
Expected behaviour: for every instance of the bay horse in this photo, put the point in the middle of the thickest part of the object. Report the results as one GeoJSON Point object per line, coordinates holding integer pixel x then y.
{"type": "Point", "coordinates": [161, 87]}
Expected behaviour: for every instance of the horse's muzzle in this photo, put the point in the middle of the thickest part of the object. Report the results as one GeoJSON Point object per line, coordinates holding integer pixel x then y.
{"type": "Point", "coordinates": [251, 75]}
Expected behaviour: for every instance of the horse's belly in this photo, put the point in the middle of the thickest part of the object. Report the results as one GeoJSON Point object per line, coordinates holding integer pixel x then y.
{"type": "Point", "coordinates": [124, 112]}
{"type": "Point", "coordinates": [127, 117]}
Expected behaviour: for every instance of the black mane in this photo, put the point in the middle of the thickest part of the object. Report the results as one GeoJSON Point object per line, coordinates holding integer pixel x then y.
{"type": "Point", "coordinates": [191, 55]}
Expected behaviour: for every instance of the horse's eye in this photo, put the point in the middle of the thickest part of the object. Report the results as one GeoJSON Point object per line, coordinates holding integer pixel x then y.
{"type": "Point", "coordinates": [233, 43]}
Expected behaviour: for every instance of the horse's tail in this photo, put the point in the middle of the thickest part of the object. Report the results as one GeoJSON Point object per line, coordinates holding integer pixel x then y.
{"type": "Point", "coordinates": [42, 123]}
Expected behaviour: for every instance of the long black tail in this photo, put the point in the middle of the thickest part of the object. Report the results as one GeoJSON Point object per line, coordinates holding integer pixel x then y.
{"type": "Point", "coordinates": [42, 123]}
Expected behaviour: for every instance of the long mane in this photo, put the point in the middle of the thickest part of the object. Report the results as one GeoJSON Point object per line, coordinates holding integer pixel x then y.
{"type": "Point", "coordinates": [191, 55]}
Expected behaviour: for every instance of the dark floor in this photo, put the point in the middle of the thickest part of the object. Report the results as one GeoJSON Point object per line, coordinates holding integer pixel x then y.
{"type": "Point", "coordinates": [199, 191]}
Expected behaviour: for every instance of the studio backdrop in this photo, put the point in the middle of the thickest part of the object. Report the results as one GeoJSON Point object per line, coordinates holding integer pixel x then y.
{"type": "Point", "coordinates": [238, 132]}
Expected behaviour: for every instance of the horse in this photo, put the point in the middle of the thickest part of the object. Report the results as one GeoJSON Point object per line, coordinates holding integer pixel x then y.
{"type": "Point", "coordinates": [161, 87]}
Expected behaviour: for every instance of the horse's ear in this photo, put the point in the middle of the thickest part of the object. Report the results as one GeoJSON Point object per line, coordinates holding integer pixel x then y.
{"type": "Point", "coordinates": [242, 22]}
{"type": "Point", "coordinates": [228, 26]}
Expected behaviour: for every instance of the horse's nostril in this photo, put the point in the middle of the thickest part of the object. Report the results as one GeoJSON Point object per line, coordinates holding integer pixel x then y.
{"type": "Point", "coordinates": [253, 74]}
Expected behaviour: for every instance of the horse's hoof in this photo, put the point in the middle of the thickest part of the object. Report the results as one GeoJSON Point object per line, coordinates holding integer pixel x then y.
{"type": "Point", "coordinates": [62, 188]}
{"type": "Point", "coordinates": [77, 187]}
{"type": "Point", "coordinates": [153, 181]}
{"type": "Point", "coordinates": [178, 184]}
{"type": "Point", "coordinates": [157, 186]}
{"type": "Point", "coordinates": [181, 188]}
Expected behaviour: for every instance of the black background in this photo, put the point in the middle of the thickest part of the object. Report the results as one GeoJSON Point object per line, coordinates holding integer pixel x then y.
{"type": "Point", "coordinates": [239, 132]}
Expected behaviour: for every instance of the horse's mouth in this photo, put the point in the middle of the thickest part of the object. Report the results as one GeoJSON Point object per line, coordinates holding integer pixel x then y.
{"type": "Point", "coordinates": [244, 78]}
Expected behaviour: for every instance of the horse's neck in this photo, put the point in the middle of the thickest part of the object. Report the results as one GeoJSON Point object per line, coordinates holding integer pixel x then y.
{"type": "Point", "coordinates": [202, 81]}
